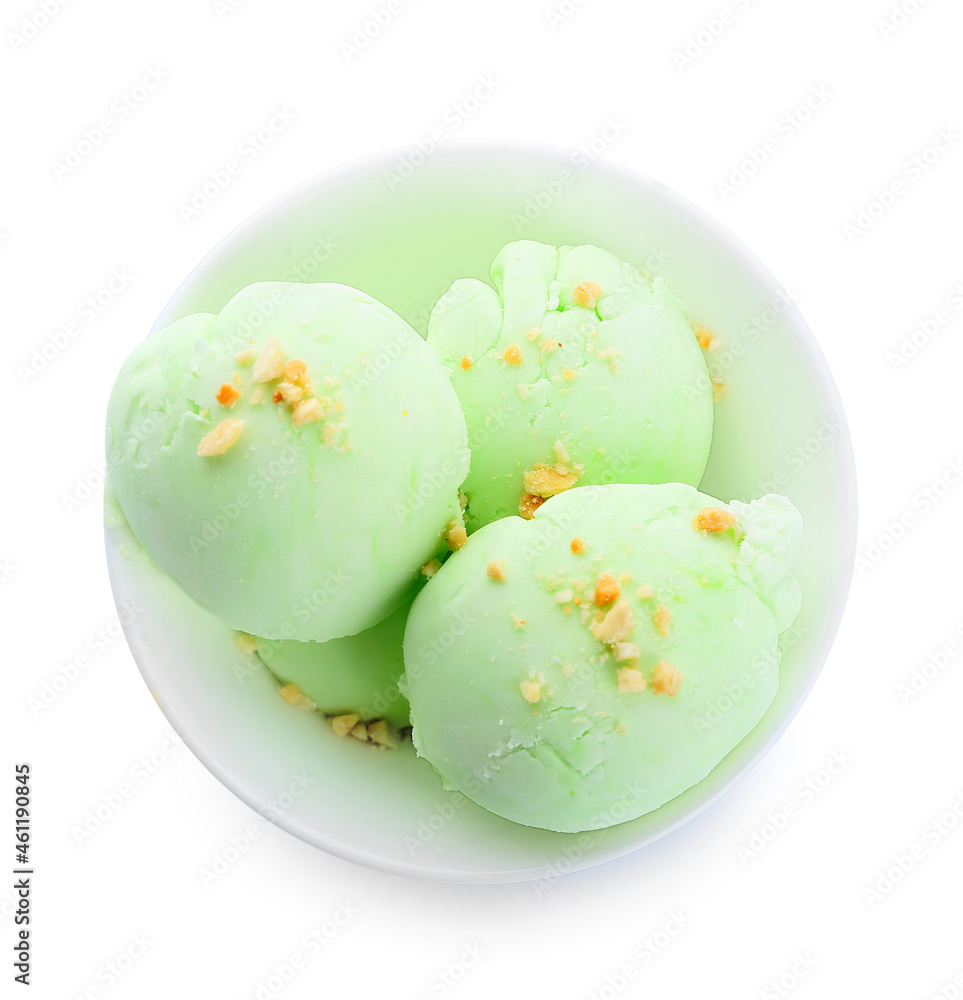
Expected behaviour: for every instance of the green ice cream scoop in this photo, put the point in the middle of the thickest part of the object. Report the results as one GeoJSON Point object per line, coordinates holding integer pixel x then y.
{"type": "Point", "coordinates": [357, 674]}
{"type": "Point", "coordinates": [582, 668]}
{"type": "Point", "coordinates": [291, 462]}
{"type": "Point", "coordinates": [574, 368]}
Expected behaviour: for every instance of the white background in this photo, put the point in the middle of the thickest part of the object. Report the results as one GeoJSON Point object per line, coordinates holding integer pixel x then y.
{"type": "Point", "coordinates": [798, 909]}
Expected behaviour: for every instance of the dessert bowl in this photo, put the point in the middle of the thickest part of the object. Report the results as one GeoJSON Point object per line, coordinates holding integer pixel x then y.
{"type": "Point", "coordinates": [402, 226]}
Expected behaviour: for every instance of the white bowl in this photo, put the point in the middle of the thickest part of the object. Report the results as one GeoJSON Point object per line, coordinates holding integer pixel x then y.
{"type": "Point", "coordinates": [403, 225]}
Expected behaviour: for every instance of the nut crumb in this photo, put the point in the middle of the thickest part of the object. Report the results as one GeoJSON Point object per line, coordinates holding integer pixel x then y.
{"type": "Point", "coordinates": [466, 362]}
{"type": "Point", "coordinates": [456, 536]}
{"type": "Point", "coordinates": [221, 438]}
{"type": "Point", "coordinates": [644, 592]}
{"type": "Point", "coordinates": [607, 589]}
{"type": "Point", "coordinates": [706, 340]}
{"type": "Point", "coordinates": [343, 724]}
{"type": "Point", "coordinates": [623, 651]}
{"type": "Point", "coordinates": [718, 389]}
{"type": "Point", "coordinates": [523, 390]}
{"type": "Point", "coordinates": [245, 643]}
{"type": "Point", "coordinates": [289, 392]}
{"type": "Point", "coordinates": [713, 519]}
{"type": "Point", "coordinates": [630, 680]}
{"type": "Point", "coordinates": [246, 356]}
{"type": "Point", "coordinates": [528, 504]}
{"type": "Point", "coordinates": [662, 617]}
{"type": "Point", "coordinates": [547, 482]}
{"type": "Point", "coordinates": [569, 374]}
{"type": "Point", "coordinates": [561, 452]}
{"type": "Point", "coordinates": [430, 568]}
{"type": "Point", "coordinates": [564, 596]}
{"type": "Point", "coordinates": [518, 622]}
{"type": "Point", "coordinates": [531, 691]}
{"type": "Point", "coordinates": [293, 695]}
{"type": "Point", "coordinates": [257, 395]}
{"type": "Point", "coordinates": [587, 294]}
{"type": "Point", "coordinates": [360, 732]}
{"type": "Point", "coordinates": [307, 411]}
{"type": "Point", "coordinates": [378, 732]}
{"type": "Point", "coordinates": [617, 625]}
{"type": "Point", "coordinates": [270, 362]}
{"type": "Point", "coordinates": [296, 372]}
{"type": "Point", "coordinates": [227, 395]}
{"type": "Point", "coordinates": [578, 546]}
{"type": "Point", "coordinates": [620, 728]}
{"type": "Point", "coordinates": [533, 334]}
{"type": "Point", "coordinates": [513, 354]}
{"type": "Point", "coordinates": [666, 679]}
{"type": "Point", "coordinates": [548, 346]}
{"type": "Point", "coordinates": [496, 570]}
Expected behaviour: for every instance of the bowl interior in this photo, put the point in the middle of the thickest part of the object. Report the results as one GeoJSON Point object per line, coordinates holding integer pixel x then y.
{"type": "Point", "coordinates": [402, 227]}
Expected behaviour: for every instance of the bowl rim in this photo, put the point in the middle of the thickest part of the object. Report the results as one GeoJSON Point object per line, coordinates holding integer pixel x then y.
{"type": "Point", "coordinates": [848, 502]}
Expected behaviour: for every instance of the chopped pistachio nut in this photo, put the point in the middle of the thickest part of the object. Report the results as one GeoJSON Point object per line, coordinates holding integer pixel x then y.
{"type": "Point", "coordinates": [713, 519]}
{"type": "Point", "coordinates": [528, 504]}
{"type": "Point", "coordinates": [578, 546]}
{"type": "Point", "coordinates": [496, 570]}
{"type": "Point", "coordinates": [292, 694]}
{"type": "Point", "coordinates": [343, 724]}
{"type": "Point", "coordinates": [662, 617]}
{"type": "Point", "coordinates": [630, 680]}
{"type": "Point", "coordinates": [513, 354]}
{"type": "Point", "coordinates": [456, 536]}
{"type": "Point", "coordinates": [270, 362]}
{"type": "Point", "coordinates": [221, 438]}
{"type": "Point", "coordinates": [607, 589]}
{"type": "Point", "coordinates": [666, 679]}
{"type": "Point", "coordinates": [227, 395]}
{"type": "Point", "coordinates": [623, 651]}
{"type": "Point", "coordinates": [587, 294]}
{"type": "Point", "coordinates": [547, 482]}
{"type": "Point", "coordinates": [531, 691]}
{"type": "Point", "coordinates": [617, 625]}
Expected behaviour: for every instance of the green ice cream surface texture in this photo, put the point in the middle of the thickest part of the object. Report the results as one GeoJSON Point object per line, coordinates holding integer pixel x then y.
{"type": "Point", "coordinates": [576, 360]}
{"type": "Point", "coordinates": [315, 519]}
{"type": "Point", "coordinates": [555, 711]}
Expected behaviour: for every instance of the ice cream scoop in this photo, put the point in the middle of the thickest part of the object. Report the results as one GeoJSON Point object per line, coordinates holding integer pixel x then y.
{"type": "Point", "coordinates": [586, 666]}
{"type": "Point", "coordinates": [291, 462]}
{"type": "Point", "coordinates": [574, 369]}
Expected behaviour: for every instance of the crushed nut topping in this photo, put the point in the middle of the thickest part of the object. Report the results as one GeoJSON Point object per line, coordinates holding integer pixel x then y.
{"type": "Point", "coordinates": [270, 362]}
{"type": "Point", "coordinates": [360, 732]}
{"type": "Point", "coordinates": [623, 651]}
{"type": "Point", "coordinates": [705, 338]}
{"type": "Point", "coordinates": [227, 395]}
{"type": "Point", "coordinates": [528, 504]}
{"type": "Point", "coordinates": [607, 589]}
{"type": "Point", "coordinates": [564, 596]}
{"type": "Point", "coordinates": [378, 732]}
{"type": "Point", "coordinates": [456, 536]}
{"type": "Point", "coordinates": [293, 695]}
{"type": "Point", "coordinates": [617, 625]}
{"type": "Point", "coordinates": [630, 681]}
{"type": "Point", "coordinates": [644, 592]}
{"type": "Point", "coordinates": [533, 334]}
{"type": "Point", "coordinates": [587, 294]}
{"type": "Point", "coordinates": [548, 346]}
{"type": "Point", "coordinates": [662, 617]}
{"type": "Point", "coordinates": [246, 356]}
{"type": "Point", "coordinates": [289, 393]}
{"type": "Point", "coordinates": [531, 691]}
{"type": "Point", "coordinates": [246, 643]}
{"type": "Point", "coordinates": [523, 390]}
{"type": "Point", "coordinates": [666, 679]}
{"type": "Point", "coordinates": [578, 546]}
{"type": "Point", "coordinates": [466, 362]}
{"type": "Point", "coordinates": [518, 622]}
{"type": "Point", "coordinates": [307, 411]}
{"type": "Point", "coordinates": [496, 570]}
{"type": "Point", "coordinates": [569, 374]}
{"type": "Point", "coordinates": [718, 390]}
{"type": "Point", "coordinates": [296, 372]}
{"type": "Point", "coordinates": [513, 355]}
{"type": "Point", "coordinates": [713, 519]}
{"type": "Point", "coordinates": [343, 724]}
{"type": "Point", "coordinates": [221, 438]}
{"type": "Point", "coordinates": [430, 568]}
{"type": "Point", "coordinates": [561, 452]}
{"type": "Point", "coordinates": [544, 481]}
